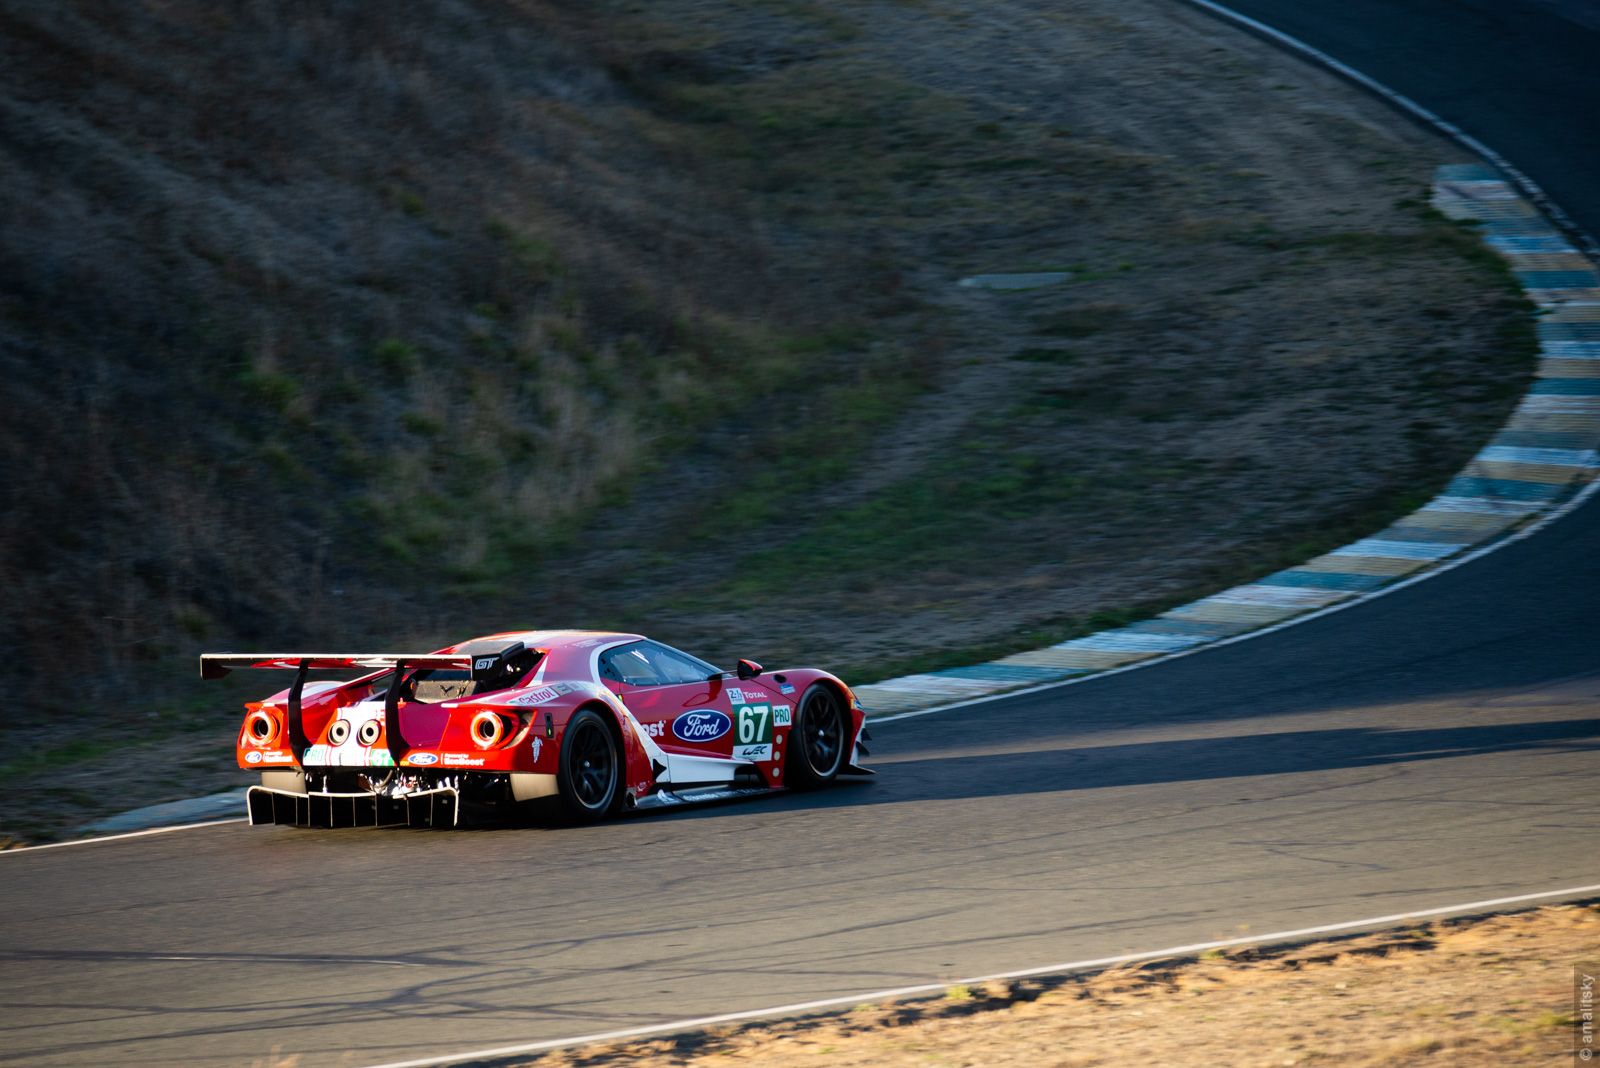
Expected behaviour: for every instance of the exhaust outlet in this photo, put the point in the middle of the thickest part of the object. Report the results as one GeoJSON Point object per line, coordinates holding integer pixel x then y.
{"type": "Point", "coordinates": [260, 729]}
{"type": "Point", "coordinates": [488, 730]}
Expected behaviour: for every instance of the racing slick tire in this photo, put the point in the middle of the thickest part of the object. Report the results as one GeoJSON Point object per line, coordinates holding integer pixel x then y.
{"type": "Point", "coordinates": [589, 778]}
{"type": "Point", "coordinates": [818, 739]}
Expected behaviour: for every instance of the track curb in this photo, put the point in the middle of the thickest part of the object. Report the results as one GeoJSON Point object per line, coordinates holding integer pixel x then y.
{"type": "Point", "coordinates": [1541, 464]}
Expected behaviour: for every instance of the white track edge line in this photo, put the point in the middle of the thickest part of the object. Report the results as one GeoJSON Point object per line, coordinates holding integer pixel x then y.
{"type": "Point", "coordinates": [1187, 950]}
{"type": "Point", "coordinates": [118, 837]}
{"type": "Point", "coordinates": [1529, 187]}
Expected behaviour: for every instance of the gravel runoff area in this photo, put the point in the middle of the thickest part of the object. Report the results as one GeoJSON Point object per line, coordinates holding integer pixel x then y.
{"type": "Point", "coordinates": [1491, 991]}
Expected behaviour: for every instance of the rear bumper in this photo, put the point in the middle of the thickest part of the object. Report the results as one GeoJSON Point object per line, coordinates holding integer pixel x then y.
{"type": "Point", "coordinates": [436, 807]}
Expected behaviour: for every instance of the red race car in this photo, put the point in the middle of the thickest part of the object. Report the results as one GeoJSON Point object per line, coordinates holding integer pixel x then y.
{"type": "Point", "coordinates": [602, 721]}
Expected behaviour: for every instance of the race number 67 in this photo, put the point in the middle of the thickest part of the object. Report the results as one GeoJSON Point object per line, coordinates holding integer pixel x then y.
{"type": "Point", "coordinates": [753, 723]}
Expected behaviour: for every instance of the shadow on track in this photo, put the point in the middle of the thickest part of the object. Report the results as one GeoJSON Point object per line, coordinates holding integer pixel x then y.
{"type": "Point", "coordinates": [1064, 768]}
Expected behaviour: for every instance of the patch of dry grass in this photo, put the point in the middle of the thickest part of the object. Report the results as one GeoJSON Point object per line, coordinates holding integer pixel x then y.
{"type": "Point", "coordinates": [1482, 992]}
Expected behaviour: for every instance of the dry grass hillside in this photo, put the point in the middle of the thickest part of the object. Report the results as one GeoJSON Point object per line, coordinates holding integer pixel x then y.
{"type": "Point", "coordinates": [303, 303]}
{"type": "Point", "coordinates": [342, 324]}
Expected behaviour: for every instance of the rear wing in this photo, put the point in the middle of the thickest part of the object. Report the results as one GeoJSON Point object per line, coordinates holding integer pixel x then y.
{"type": "Point", "coordinates": [485, 665]}
{"type": "Point", "coordinates": [482, 666]}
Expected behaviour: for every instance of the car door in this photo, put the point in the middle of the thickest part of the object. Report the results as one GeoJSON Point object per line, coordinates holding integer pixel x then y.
{"type": "Point", "coordinates": [668, 692]}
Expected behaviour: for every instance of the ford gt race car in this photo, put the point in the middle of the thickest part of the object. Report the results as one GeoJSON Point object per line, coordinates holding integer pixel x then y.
{"type": "Point", "coordinates": [603, 722]}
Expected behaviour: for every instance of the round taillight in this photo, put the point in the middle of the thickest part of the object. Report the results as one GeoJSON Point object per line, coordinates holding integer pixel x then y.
{"type": "Point", "coordinates": [260, 729]}
{"type": "Point", "coordinates": [338, 732]}
{"type": "Point", "coordinates": [369, 731]}
{"type": "Point", "coordinates": [488, 730]}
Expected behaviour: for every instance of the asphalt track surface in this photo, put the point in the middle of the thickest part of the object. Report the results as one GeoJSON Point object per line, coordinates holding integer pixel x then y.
{"type": "Point", "coordinates": [1429, 747]}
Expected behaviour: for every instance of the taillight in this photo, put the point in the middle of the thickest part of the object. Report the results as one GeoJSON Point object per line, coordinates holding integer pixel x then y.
{"type": "Point", "coordinates": [369, 731]}
{"type": "Point", "coordinates": [260, 729]}
{"type": "Point", "coordinates": [488, 730]}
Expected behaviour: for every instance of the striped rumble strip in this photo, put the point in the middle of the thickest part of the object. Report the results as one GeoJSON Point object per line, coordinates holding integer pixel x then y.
{"type": "Point", "coordinates": [1544, 455]}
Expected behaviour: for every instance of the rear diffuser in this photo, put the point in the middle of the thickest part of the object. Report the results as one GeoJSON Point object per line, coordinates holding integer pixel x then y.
{"type": "Point", "coordinates": [439, 807]}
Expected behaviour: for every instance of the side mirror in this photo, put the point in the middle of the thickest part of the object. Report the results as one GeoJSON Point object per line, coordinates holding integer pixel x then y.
{"type": "Point", "coordinates": [749, 669]}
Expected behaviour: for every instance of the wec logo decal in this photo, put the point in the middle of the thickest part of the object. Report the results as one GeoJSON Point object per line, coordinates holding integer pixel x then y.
{"type": "Point", "coordinates": [701, 725]}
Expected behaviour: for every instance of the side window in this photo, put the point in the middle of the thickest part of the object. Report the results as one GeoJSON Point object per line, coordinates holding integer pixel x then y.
{"type": "Point", "coordinates": [673, 666]}
{"type": "Point", "coordinates": [629, 664]}
{"type": "Point", "coordinates": [651, 664]}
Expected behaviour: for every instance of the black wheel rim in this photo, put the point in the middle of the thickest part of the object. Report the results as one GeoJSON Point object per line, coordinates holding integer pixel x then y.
{"type": "Point", "coordinates": [824, 727]}
{"type": "Point", "coordinates": [593, 766]}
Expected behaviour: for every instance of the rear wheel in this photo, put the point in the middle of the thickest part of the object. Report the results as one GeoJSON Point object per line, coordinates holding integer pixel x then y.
{"type": "Point", "coordinates": [590, 775]}
{"type": "Point", "coordinates": [818, 738]}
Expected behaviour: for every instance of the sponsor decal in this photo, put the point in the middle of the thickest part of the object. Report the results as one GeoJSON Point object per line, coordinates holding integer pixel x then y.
{"type": "Point", "coordinates": [253, 757]}
{"type": "Point", "coordinates": [276, 757]}
{"type": "Point", "coordinates": [461, 760]}
{"type": "Point", "coordinates": [483, 663]}
{"type": "Point", "coordinates": [562, 687]}
{"type": "Point", "coordinates": [537, 697]}
{"type": "Point", "coordinates": [735, 695]}
{"type": "Point", "coordinates": [755, 725]}
{"type": "Point", "coordinates": [654, 730]}
{"type": "Point", "coordinates": [752, 752]}
{"type": "Point", "coordinates": [781, 715]}
{"type": "Point", "coordinates": [538, 744]}
{"type": "Point", "coordinates": [422, 760]}
{"type": "Point", "coordinates": [701, 725]}
{"type": "Point", "coordinates": [786, 688]}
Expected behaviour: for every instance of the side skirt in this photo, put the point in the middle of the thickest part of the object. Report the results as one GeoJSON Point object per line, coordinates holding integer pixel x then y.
{"type": "Point", "coordinates": [669, 798]}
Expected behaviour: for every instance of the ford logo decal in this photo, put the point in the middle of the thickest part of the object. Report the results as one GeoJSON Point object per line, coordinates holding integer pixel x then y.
{"type": "Point", "coordinates": [701, 725]}
{"type": "Point", "coordinates": [422, 759]}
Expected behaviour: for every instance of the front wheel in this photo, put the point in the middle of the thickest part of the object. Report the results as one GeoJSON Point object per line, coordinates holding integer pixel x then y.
{"type": "Point", "coordinates": [818, 739]}
{"type": "Point", "coordinates": [590, 775]}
